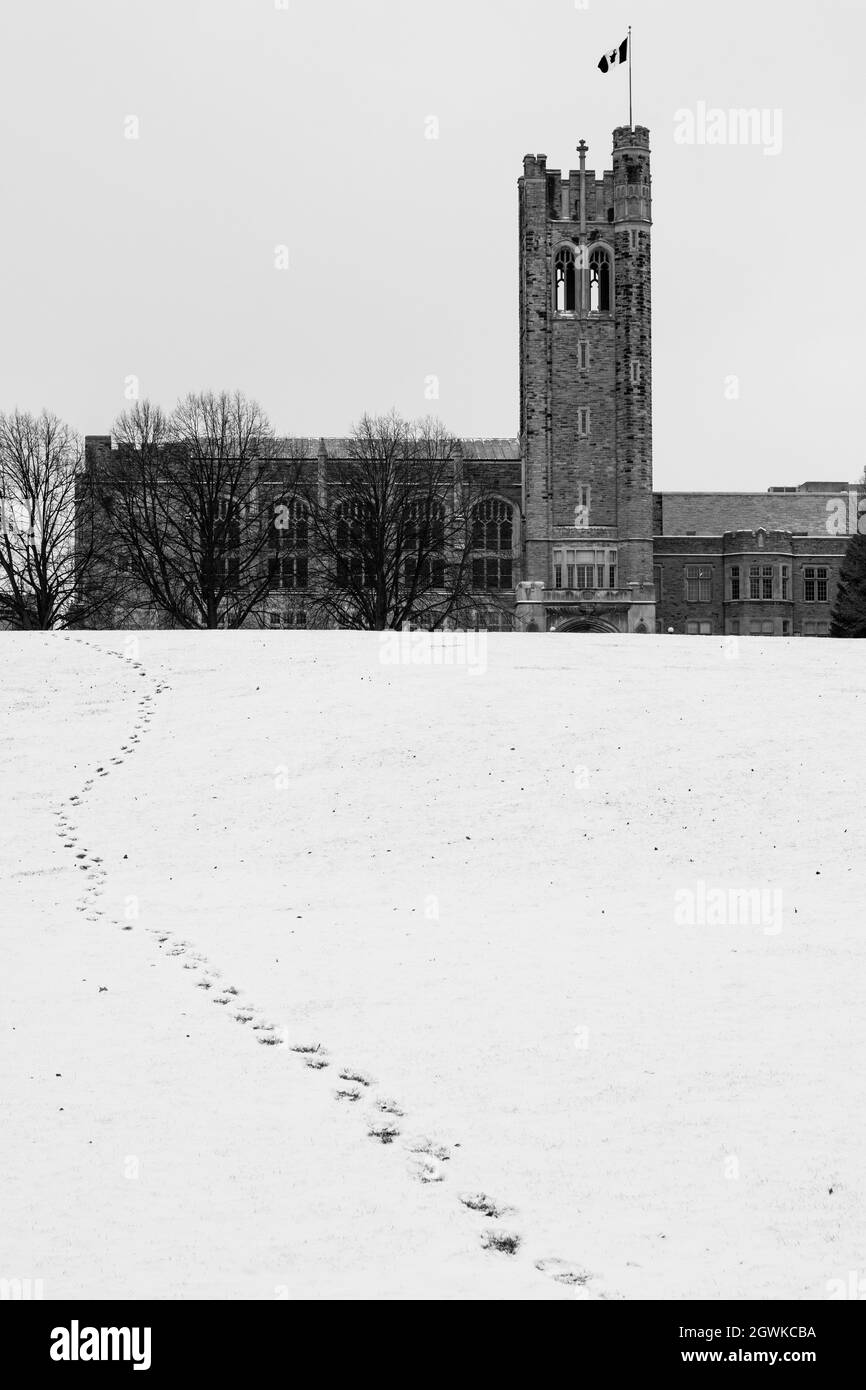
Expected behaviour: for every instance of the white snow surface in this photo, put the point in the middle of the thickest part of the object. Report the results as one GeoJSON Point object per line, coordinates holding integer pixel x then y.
{"type": "Point", "coordinates": [462, 885]}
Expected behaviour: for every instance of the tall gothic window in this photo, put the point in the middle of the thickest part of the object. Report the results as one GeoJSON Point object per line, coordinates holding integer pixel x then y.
{"type": "Point", "coordinates": [353, 565]}
{"type": "Point", "coordinates": [599, 281]}
{"type": "Point", "coordinates": [565, 280]}
{"type": "Point", "coordinates": [493, 544]}
{"type": "Point", "coordinates": [227, 538]}
{"type": "Point", "coordinates": [289, 541]}
{"type": "Point", "coordinates": [425, 545]}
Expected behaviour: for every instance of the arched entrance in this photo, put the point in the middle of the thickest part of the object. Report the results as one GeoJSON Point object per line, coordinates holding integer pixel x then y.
{"type": "Point", "coordinates": [586, 625]}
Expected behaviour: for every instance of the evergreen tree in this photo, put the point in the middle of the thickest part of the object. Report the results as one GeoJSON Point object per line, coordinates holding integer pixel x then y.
{"type": "Point", "coordinates": [849, 610]}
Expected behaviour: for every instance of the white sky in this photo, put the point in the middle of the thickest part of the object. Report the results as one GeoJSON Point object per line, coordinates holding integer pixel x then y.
{"type": "Point", "coordinates": [306, 127]}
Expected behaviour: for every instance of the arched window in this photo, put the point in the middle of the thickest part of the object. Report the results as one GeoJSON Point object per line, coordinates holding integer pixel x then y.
{"type": "Point", "coordinates": [289, 538]}
{"type": "Point", "coordinates": [493, 544]}
{"type": "Point", "coordinates": [424, 565]}
{"type": "Point", "coordinates": [599, 281]}
{"type": "Point", "coordinates": [565, 281]}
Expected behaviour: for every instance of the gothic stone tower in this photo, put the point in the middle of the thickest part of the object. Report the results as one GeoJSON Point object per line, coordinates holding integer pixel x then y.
{"type": "Point", "coordinates": [585, 391]}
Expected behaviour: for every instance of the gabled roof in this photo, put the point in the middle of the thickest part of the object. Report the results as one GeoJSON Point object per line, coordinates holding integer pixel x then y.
{"type": "Point", "coordinates": [507, 450]}
{"type": "Point", "coordinates": [495, 450]}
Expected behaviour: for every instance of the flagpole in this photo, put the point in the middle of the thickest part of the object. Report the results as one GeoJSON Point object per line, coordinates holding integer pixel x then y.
{"type": "Point", "coordinates": [630, 121]}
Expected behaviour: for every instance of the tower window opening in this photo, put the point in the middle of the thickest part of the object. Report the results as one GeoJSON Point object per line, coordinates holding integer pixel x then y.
{"type": "Point", "coordinates": [599, 282]}
{"type": "Point", "coordinates": [566, 281]}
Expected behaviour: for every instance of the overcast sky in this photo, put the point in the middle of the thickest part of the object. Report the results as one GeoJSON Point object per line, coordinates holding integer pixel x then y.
{"type": "Point", "coordinates": [305, 127]}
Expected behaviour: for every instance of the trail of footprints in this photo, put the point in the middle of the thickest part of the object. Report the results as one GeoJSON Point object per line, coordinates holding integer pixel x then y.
{"type": "Point", "coordinates": [88, 863]}
{"type": "Point", "coordinates": [382, 1117]}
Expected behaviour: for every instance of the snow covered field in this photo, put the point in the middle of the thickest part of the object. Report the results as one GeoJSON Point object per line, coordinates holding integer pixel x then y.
{"type": "Point", "coordinates": [575, 930]}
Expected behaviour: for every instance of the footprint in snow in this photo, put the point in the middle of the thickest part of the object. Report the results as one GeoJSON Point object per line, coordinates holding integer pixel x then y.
{"type": "Point", "coordinates": [431, 1149]}
{"type": "Point", "coordinates": [360, 1077]}
{"type": "Point", "coordinates": [425, 1171]}
{"type": "Point", "coordinates": [389, 1107]}
{"type": "Point", "coordinates": [506, 1242]}
{"type": "Point", "coordinates": [562, 1272]}
{"type": "Point", "coordinates": [486, 1206]}
{"type": "Point", "coordinates": [384, 1131]}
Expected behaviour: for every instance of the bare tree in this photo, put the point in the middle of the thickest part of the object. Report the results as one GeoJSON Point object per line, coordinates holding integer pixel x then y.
{"type": "Point", "coordinates": [52, 570]}
{"type": "Point", "coordinates": [392, 534]}
{"type": "Point", "coordinates": [184, 503]}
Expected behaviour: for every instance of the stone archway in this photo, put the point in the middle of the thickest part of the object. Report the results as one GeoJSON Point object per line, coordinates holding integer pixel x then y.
{"type": "Point", "coordinates": [585, 625]}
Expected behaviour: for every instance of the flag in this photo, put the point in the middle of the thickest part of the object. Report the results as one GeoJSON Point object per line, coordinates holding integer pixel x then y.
{"type": "Point", "coordinates": [616, 55]}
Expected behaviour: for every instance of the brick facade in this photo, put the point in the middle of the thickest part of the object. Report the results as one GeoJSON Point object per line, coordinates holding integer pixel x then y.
{"type": "Point", "coordinates": [758, 583]}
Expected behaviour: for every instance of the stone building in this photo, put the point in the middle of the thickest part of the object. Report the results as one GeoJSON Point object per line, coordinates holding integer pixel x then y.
{"type": "Point", "coordinates": [602, 551]}
{"type": "Point", "coordinates": [573, 537]}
